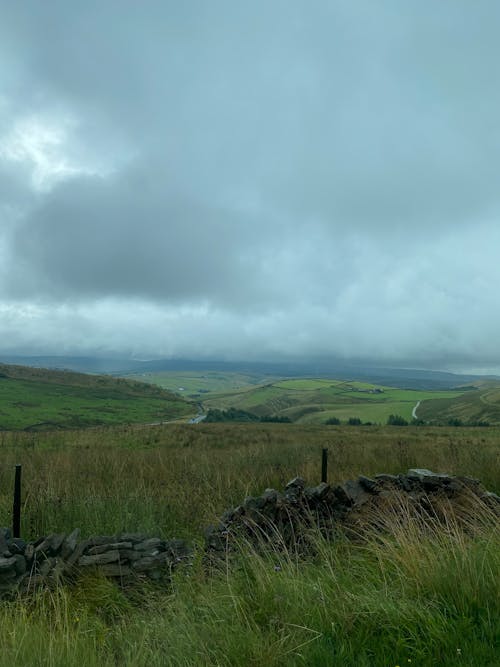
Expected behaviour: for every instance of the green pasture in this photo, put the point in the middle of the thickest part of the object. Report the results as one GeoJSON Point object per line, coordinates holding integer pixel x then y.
{"type": "Point", "coordinates": [198, 382]}
{"type": "Point", "coordinates": [316, 400]}
{"type": "Point", "coordinates": [38, 404]}
{"type": "Point", "coordinates": [481, 405]}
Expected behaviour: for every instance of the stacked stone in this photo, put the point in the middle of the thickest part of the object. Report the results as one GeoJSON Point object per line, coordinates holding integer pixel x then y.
{"type": "Point", "coordinates": [276, 518]}
{"type": "Point", "coordinates": [50, 559]}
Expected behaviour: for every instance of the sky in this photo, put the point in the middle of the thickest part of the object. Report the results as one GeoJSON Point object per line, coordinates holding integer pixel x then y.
{"type": "Point", "coordinates": [256, 180]}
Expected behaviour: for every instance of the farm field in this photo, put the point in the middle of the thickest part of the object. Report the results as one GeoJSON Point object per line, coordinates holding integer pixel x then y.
{"type": "Point", "coordinates": [317, 400]}
{"type": "Point", "coordinates": [198, 383]}
{"type": "Point", "coordinates": [440, 601]}
{"type": "Point", "coordinates": [481, 405]}
{"type": "Point", "coordinates": [40, 399]}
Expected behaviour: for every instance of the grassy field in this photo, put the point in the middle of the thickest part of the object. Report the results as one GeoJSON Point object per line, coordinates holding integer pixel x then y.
{"type": "Point", "coordinates": [197, 383]}
{"type": "Point", "coordinates": [419, 596]}
{"type": "Point", "coordinates": [480, 405]}
{"type": "Point", "coordinates": [36, 399]}
{"type": "Point", "coordinates": [313, 401]}
{"type": "Point", "coordinates": [177, 478]}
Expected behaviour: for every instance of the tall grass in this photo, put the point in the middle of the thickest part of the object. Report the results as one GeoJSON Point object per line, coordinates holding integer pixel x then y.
{"type": "Point", "coordinates": [414, 595]}
{"type": "Point", "coordinates": [418, 596]}
{"type": "Point", "coordinates": [174, 480]}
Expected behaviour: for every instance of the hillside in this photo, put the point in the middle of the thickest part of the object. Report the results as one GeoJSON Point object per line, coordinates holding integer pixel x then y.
{"type": "Point", "coordinates": [36, 399]}
{"type": "Point", "coordinates": [308, 400]}
{"type": "Point", "coordinates": [409, 378]}
{"type": "Point", "coordinates": [481, 405]}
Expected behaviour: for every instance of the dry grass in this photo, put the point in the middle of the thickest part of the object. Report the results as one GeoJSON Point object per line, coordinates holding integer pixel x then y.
{"type": "Point", "coordinates": [175, 479]}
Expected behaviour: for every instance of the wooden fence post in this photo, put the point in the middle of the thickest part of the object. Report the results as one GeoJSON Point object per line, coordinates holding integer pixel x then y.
{"type": "Point", "coordinates": [16, 509]}
{"type": "Point", "coordinates": [324, 465]}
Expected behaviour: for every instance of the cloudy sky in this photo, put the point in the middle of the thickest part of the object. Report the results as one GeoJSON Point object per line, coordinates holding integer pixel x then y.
{"type": "Point", "coordinates": [251, 180]}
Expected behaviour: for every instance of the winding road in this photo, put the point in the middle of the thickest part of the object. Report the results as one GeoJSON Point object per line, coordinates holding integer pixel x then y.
{"type": "Point", "coordinates": [414, 411]}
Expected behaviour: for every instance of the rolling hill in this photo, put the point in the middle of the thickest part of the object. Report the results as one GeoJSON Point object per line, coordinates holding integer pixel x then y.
{"type": "Point", "coordinates": [479, 406]}
{"type": "Point", "coordinates": [36, 399]}
{"type": "Point", "coordinates": [308, 400]}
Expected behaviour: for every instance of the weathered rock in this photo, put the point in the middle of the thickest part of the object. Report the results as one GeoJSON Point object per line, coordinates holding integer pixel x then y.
{"type": "Point", "coordinates": [77, 553]}
{"type": "Point", "coordinates": [132, 537]}
{"type": "Point", "coordinates": [368, 484]}
{"type": "Point", "coordinates": [178, 550]}
{"type": "Point", "coordinates": [391, 479]}
{"type": "Point", "coordinates": [29, 552]}
{"type": "Point", "coordinates": [100, 559]}
{"type": "Point", "coordinates": [16, 546]}
{"type": "Point", "coordinates": [20, 564]}
{"type": "Point", "coordinates": [97, 540]}
{"type": "Point", "coordinates": [296, 482]}
{"type": "Point", "coordinates": [7, 563]}
{"type": "Point", "coordinates": [149, 562]}
{"type": "Point", "coordinates": [317, 493]}
{"type": "Point", "coordinates": [252, 503]}
{"type": "Point", "coordinates": [46, 566]}
{"type": "Point", "coordinates": [50, 545]}
{"type": "Point", "coordinates": [115, 570]}
{"type": "Point", "coordinates": [423, 474]}
{"type": "Point", "coordinates": [69, 544]}
{"type": "Point", "coordinates": [356, 492]}
{"type": "Point", "coordinates": [107, 547]}
{"type": "Point", "coordinates": [151, 543]}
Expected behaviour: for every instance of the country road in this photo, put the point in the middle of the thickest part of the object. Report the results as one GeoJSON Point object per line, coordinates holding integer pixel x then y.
{"type": "Point", "coordinates": [414, 412]}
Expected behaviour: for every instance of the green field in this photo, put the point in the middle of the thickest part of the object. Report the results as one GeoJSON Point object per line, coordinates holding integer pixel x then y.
{"type": "Point", "coordinates": [197, 383]}
{"type": "Point", "coordinates": [481, 405]}
{"type": "Point", "coordinates": [38, 399]}
{"type": "Point", "coordinates": [316, 400]}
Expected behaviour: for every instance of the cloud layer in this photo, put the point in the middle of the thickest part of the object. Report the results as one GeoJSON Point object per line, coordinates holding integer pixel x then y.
{"type": "Point", "coordinates": [252, 180]}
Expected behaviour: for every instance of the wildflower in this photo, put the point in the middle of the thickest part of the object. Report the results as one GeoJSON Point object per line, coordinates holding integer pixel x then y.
{"type": "Point", "coordinates": [459, 651]}
{"type": "Point", "coordinates": [277, 568]}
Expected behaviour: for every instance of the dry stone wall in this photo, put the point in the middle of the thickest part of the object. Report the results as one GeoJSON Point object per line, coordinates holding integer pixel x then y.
{"type": "Point", "coordinates": [279, 519]}
{"type": "Point", "coordinates": [284, 519]}
{"type": "Point", "coordinates": [51, 559]}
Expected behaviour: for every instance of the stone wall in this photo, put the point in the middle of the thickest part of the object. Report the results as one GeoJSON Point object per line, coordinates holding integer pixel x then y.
{"type": "Point", "coordinates": [284, 519]}
{"type": "Point", "coordinates": [279, 519]}
{"type": "Point", "coordinates": [50, 559]}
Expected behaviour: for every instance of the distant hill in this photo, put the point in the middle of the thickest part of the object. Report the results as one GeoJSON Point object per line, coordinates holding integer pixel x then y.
{"type": "Point", "coordinates": [408, 378]}
{"type": "Point", "coordinates": [37, 399]}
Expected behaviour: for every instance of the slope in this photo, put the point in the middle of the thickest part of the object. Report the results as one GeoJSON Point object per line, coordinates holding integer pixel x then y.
{"type": "Point", "coordinates": [35, 398]}
{"type": "Point", "coordinates": [315, 400]}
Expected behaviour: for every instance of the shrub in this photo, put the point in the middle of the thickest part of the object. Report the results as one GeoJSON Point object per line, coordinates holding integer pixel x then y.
{"type": "Point", "coordinates": [396, 420]}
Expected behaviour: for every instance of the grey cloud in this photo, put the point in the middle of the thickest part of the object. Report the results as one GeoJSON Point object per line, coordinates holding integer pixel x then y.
{"type": "Point", "coordinates": [93, 237]}
{"type": "Point", "coordinates": [303, 177]}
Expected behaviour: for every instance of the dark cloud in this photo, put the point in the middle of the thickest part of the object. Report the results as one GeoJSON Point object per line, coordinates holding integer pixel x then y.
{"type": "Point", "coordinates": [254, 178]}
